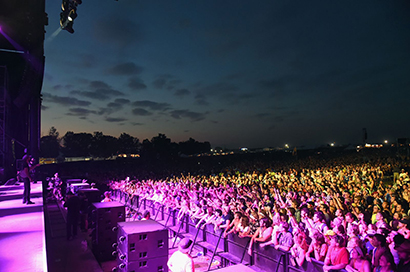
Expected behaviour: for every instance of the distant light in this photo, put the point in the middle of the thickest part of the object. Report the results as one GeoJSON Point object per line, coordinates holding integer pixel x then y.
{"type": "Point", "coordinates": [244, 149]}
{"type": "Point", "coordinates": [286, 145]}
{"type": "Point", "coordinates": [385, 141]}
{"type": "Point", "coordinates": [332, 144]}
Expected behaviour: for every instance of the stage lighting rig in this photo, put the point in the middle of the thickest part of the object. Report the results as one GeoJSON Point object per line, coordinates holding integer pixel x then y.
{"type": "Point", "coordinates": [68, 14]}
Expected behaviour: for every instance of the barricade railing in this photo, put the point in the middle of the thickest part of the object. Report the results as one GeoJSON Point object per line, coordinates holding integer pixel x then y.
{"type": "Point", "coordinates": [232, 248]}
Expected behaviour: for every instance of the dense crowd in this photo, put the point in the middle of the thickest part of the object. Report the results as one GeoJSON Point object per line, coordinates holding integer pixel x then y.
{"type": "Point", "coordinates": [344, 212]}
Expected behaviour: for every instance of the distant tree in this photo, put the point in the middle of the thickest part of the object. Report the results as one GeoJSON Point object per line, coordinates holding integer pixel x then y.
{"type": "Point", "coordinates": [192, 147]}
{"type": "Point", "coordinates": [53, 132]}
{"type": "Point", "coordinates": [77, 144]}
{"type": "Point", "coordinates": [205, 147]}
{"type": "Point", "coordinates": [128, 144]}
{"type": "Point", "coordinates": [50, 144]}
{"type": "Point", "coordinates": [103, 146]}
{"type": "Point", "coordinates": [161, 146]}
{"type": "Point", "coordinates": [147, 150]}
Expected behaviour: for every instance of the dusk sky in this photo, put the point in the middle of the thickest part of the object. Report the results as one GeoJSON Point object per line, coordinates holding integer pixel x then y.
{"type": "Point", "coordinates": [234, 73]}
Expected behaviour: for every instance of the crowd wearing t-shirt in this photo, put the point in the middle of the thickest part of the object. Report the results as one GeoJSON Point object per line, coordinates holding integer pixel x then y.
{"type": "Point", "coordinates": [342, 212]}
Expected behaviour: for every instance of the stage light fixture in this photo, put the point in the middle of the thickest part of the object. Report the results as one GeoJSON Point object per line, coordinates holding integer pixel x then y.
{"type": "Point", "coordinates": [72, 15]}
{"type": "Point", "coordinates": [68, 14]}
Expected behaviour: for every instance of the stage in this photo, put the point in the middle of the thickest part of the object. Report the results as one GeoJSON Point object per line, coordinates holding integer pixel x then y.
{"type": "Point", "coordinates": [22, 232]}
{"type": "Point", "coordinates": [33, 238]}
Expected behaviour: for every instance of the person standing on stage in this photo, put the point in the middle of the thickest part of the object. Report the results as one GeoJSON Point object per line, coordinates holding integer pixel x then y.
{"type": "Point", "coordinates": [73, 205]}
{"type": "Point", "coordinates": [25, 176]}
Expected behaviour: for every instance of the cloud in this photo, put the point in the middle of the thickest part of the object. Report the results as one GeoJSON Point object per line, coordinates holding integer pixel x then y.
{"type": "Point", "coordinates": [86, 61]}
{"type": "Point", "coordinates": [127, 68]}
{"type": "Point", "coordinates": [61, 87]}
{"type": "Point", "coordinates": [141, 112]}
{"type": "Point", "coordinates": [181, 92]}
{"type": "Point", "coordinates": [98, 94]}
{"type": "Point", "coordinates": [115, 106]}
{"type": "Point", "coordinates": [80, 112]}
{"type": "Point", "coordinates": [175, 81]}
{"type": "Point", "coordinates": [152, 105]}
{"type": "Point", "coordinates": [166, 81]}
{"type": "Point", "coordinates": [99, 91]}
{"type": "Point", "coordinates": [159, 83]}
{"type": "Point", "coordinates": [234, 98]}
{"type": "Point", "coordinates": [64, 100]}
{"type": "Point", "coordinates": [122, 101]}
{"type": "Point", "coordinates": [194, 116]}
{"type": "Point", "coordinates": [115, 120]}
{"type": "Point", "coordinates": [201, 100]}
{"type": "Point", "coordinates": [225, 91]}
{"type": "Point", "coordinates": [136, 84]}
{"type": "Point", "coordinates": [98, 84]}
{"type": "Point", "coordinates": [136, 124]}
{"type": "Point", "coordinates": [218, 88]}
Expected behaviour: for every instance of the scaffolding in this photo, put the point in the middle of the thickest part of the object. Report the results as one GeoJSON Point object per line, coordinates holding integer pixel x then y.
{"type": "Point", "coordinates": [3, 115]}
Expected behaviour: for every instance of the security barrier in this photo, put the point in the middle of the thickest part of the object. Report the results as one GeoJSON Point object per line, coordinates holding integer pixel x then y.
{"type": "Point", "coordinates": [232, 249]}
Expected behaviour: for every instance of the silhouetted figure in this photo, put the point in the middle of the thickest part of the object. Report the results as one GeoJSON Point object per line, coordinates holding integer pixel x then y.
{"type": "Point", "coordinates": [73, 204]}
{"type": "Point", "coordinates": [25, 176]}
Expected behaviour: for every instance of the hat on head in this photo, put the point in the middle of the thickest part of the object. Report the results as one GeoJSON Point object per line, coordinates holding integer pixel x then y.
{"type": "Point", "coordinates": [184, 245]}
{"type": "Point", "coordinates": [405, 221]}
{"type": "Point", "coordinates": [330, 233]}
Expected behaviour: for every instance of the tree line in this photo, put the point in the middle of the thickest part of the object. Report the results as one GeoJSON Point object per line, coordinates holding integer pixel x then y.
{"type": "Point", "coordinates": [98, 145]}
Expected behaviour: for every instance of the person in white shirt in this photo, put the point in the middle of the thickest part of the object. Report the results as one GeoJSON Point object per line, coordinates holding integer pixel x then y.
{"type": "Point", "coordinates": [180, 260]}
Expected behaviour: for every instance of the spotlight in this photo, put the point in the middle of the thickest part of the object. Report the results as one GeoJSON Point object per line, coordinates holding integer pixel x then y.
{"type": "Point", "coordinates": [72, 15]}
{"type": "Point", "coordinates": [68, 14]}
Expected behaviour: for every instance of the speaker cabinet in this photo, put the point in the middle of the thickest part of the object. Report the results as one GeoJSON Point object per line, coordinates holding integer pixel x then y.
{"type": "Point", "coordinates": [158, 264]}
{"type": "Point", "coordinates": [142, 246]}
{"type": "Point", "coordinates": [105, 217]}
{"type": "Point", "coordinates": [92, 194]}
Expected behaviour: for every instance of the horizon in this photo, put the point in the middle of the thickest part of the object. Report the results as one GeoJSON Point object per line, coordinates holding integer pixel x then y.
{"type": "Point", "coordinates": [236, 74]}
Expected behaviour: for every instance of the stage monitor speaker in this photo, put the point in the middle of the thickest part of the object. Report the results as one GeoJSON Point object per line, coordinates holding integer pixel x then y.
{"type": "Point", "coordinates": [158, 264]}
{"type": "Point", "coordinates": [92, 194]}
{"type": "Point", "coordinates": [70, 181]}
{"type": "Point", "coordinates": [75, 187]}
{"type": "Point", "coordinates": [142, 240]}
{"type": "Point", "coordinates": [106, 216]}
